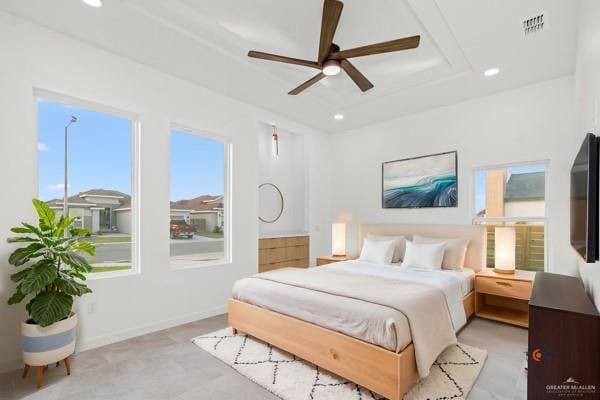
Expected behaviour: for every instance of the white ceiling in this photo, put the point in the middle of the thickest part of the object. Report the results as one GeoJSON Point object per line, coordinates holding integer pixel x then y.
{"type": "Point", "coordinates": [206, 42]}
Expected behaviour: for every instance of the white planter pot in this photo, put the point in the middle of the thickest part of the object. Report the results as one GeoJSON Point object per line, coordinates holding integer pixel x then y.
{"type": "Point", "coordinates": [47, 345]}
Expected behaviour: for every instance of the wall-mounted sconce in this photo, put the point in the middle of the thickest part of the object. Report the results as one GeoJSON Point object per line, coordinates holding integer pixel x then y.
{"type": "Point", "coordinates": [275, 141]}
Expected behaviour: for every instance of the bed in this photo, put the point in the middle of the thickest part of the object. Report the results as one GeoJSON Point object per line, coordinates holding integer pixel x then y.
{"type": "Point", "coordinates": [368, 330]}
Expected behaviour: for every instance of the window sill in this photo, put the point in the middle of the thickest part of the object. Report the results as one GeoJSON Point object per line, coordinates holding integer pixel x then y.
{"type": "Point", "coordinates": [199, 265]}
{"type": "Point", "coordinates": [111, 274]}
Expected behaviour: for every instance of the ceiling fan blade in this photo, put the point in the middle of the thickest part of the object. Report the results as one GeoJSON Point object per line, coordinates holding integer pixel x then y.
{"type": "Point", "coordinates": [361, 81]}
{"type": "Point", "coordinates": [308, 83]}
{"type": "Point", "coordinates": [332, 10]}
{"type": "Point", "coordinates": [283, 59]}
{"type": "Point", "coordinates": [378, 48]}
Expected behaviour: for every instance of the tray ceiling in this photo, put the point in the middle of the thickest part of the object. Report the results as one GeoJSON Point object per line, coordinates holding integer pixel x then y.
{"type": "Point", "coordinates": [206, 42]}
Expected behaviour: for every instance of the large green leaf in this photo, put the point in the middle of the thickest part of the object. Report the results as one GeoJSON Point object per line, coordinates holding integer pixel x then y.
{"type": "Point", "coordinates": [21, 239]}
{"type": "Point", "coordinates": [82, 246]}
{"type": "Point", "coordinates": [75, 261]}
{"type": "Point", "coordinates": [17, 296]}
{"type": "Point", "coordinates": [50, 307]}
{"type": "Point", "coordinates": [32, 229]}
{"type": "Point", "coordinates": [24, 254]}
{"type": "Point", "coordinates": [20, 275]}
{"type": "Point", "coordinates": [46, 214]}
{"type": "Point", "coordinates": [63, 224]}
{"type": "Point", "coordinates": [42, 274]}
{"type": "Point", "coordinates": [68, 285]}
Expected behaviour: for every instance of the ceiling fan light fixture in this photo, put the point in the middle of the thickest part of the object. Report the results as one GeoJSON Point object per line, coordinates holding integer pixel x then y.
{"type": "Point", "coordinates": [492, 72]}
{"type": "Point", "coordinates": [93, 3]}
{"type": "Point", "coordinates": [331, 67]}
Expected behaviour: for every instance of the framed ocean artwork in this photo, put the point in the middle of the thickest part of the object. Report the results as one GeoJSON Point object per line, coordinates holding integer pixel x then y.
{"type": "Point", "coordinates": [421, 182]}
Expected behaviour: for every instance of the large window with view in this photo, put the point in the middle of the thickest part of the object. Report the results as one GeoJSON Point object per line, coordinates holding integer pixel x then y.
{"type": "Point", "coordinates": [514, 196]}
{"type": "Point", "coordinates": [86, 157]}
{"type": "Point", "coordinates": [198, 208]}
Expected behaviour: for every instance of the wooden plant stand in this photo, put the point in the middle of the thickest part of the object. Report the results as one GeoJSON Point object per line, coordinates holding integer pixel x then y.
{"type": "Point", "coordinates": [42, 368]}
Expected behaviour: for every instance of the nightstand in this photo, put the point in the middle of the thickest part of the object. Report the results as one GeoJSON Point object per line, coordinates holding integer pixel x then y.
{"type": "Point", "coordinates": [504, 297]}
{"type": "Point", "coordinates": [324, 260]}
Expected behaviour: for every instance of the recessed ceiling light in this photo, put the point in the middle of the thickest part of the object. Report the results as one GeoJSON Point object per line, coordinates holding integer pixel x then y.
{"type": "Point", "coordinates": [491, 72]}
{"type": "Point", "coordinates": [93, 3]}
{"type": "Point", "coordinates": [338, 116]}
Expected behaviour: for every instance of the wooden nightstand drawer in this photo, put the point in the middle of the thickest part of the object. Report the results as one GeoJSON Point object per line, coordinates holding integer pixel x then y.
{"type": "Point", "coordinates": [503, 287]}
{"type": "Point", "coordinates": [324, 260]}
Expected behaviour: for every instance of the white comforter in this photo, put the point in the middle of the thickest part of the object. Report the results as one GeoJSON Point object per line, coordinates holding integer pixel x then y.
{"type": "Point", "coordinates": [446, 282]}
{"type": "Point", "coordinates": [375, 324]}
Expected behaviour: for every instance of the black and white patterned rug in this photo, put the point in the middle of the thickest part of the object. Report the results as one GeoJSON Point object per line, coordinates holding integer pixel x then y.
{"type": "Point", "coordinates": [291, 378]}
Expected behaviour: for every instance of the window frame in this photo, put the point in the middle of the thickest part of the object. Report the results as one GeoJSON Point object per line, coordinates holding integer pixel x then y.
{"type": "Point", "coordinates": [483, 220]}
{"type": "Point", "coordinates": [227, 190]}
{"type": "Point", "coordinates": [43, 94]}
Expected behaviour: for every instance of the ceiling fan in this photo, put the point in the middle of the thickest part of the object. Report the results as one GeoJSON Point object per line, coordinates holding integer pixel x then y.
{"type": "Point", "coordinates": [331, 59]}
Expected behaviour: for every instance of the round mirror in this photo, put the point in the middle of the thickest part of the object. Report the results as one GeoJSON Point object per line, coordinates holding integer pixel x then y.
{"type": "Point", "coordinates": [270, 203]}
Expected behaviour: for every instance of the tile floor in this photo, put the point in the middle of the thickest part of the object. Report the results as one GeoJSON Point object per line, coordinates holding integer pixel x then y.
{"type": "Point", "coordinates": [165, 365]}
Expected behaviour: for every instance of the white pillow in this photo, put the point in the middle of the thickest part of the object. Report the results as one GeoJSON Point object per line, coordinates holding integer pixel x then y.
{"type": "Point", "coordinates": [424, 255]}
{"type": "Point", "coordinates": [399, 244]}
{"type": "Point", "coordinates": [376, 251]}
{"type": "Point", "coordinates": [456, 250]}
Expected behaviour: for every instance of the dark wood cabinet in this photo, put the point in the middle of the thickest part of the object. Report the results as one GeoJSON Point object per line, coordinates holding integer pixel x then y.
{"type": "Point", "coordinates": [564, 340]}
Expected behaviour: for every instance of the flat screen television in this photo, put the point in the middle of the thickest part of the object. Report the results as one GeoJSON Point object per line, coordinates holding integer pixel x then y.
{"type": "Point", "coordinates": [584, 200]}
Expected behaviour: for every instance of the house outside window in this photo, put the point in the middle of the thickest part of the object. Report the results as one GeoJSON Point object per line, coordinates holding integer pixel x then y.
{"type": "Point", "coordinates": [199, 210]}
{"type": "Point", "coordinates": [101, 158]}
{"type": "Point", "coordinates": [515, 196]}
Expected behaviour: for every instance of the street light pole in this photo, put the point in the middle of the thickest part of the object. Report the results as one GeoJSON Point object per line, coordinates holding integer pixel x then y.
{"type": "Point", "coordinates": [66, 183]}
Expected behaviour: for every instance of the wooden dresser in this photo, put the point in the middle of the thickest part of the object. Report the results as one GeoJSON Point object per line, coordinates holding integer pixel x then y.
{"type": "Point", "coordinates": [281, 252]}
{"type": "Point", "coordinates": [564, 340]}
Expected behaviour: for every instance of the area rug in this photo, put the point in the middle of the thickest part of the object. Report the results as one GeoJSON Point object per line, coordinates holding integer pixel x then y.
{"type": "Point", "coordinates": [291, 378]}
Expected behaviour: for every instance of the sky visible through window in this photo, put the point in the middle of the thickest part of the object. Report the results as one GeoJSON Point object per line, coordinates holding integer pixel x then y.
{"type": "Point", "coordinates": [99, 150]}
{"type": "Point", "coordinates": [480, 185]}
{"type": "Point", "coordinates": [100, 155]}
{"type": "Point", "coordinates": [197, 166]}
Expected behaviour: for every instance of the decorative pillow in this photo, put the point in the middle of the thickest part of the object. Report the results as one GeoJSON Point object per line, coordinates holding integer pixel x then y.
{"type": "Point", "coordinates": [424, 255]}
{"type": "Point", "coordinates": [377, 251]}
{"type": "Point", "coordinates": [399, 244]}
{"type": "Point", "coordinates": [456, 250]}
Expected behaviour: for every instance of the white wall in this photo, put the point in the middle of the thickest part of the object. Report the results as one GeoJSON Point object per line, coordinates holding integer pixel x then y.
{"type": "Point", "coordinates": [587, 90]}
{"type": "Point", "coordinates": [288, 171]}
{"type": "Point", "coordinates": [36, 57]}
{"type": "Point", "coordinates": [527, 124]}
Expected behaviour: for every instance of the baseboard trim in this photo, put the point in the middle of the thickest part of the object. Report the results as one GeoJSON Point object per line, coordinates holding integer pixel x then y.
{"type": "Point", "coordinates": [88, 344]}
{"type": "Point", "coordinates": [92, 343]}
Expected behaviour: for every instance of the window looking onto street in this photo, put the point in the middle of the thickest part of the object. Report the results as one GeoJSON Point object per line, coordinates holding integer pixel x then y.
{"type": "Point", "coordinates": [198, 200]}
{"type": "Point", "coordinates": [99, 153]}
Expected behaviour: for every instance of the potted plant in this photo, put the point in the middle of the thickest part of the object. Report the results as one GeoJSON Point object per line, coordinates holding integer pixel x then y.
{"type": "Point", "coordinates": [51, 271]}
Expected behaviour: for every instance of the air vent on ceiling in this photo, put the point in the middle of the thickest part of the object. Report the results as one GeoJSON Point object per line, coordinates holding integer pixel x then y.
{"type": "Point", "coordinates": [533, 24]}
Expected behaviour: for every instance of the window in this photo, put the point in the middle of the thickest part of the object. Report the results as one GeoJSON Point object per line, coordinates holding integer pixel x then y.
{"type": "Point", "coordinates": [199, 211]}
{"type": "Point", "coordinates": [514, 196]}
{"type": "Point", "coordinates": [100, 159]}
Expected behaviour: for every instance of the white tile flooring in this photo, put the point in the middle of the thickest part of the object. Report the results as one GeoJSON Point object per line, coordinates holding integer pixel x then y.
{"type": "Point", "coordinates": [165, 365]}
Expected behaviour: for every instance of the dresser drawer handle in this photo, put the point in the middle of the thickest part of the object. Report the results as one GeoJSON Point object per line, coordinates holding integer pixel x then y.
{"type": "Point", "coordinates": [503, 283]}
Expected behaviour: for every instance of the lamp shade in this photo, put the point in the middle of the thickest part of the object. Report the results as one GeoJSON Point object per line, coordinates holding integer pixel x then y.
{"type": "Point", "coordinates": [338, 239]}
{"type": "Point", "coordinates": [505, 244]}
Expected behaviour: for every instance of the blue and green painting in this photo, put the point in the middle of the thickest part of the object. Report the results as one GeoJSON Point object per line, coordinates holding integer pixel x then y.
{"type": "Point", "coordinates": [428, 181]}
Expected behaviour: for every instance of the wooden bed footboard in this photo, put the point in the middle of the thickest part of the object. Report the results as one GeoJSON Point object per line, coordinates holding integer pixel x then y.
{"type": "Point", "coordinates": [383, 371]}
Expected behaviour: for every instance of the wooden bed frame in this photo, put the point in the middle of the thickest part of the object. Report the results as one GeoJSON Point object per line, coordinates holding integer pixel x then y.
{"type": "Point", "coordinates": [383, 371]}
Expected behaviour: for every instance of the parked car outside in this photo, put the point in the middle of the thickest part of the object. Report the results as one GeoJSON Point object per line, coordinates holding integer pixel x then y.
{"type": "Point", "coordinates": [181, 229]}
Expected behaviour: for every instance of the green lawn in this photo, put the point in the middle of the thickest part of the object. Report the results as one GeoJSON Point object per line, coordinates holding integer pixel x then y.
{"type": "Point", "coordinates": [108, 239]}
{"type": "Point", "coordinates": [211, 235]}
{"type": "Point", "coordinates": [110, 268]}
